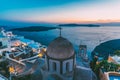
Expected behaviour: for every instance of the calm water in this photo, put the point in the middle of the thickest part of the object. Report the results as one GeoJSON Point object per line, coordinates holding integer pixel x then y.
{"type": "Point", "coordinates": [91, 36]}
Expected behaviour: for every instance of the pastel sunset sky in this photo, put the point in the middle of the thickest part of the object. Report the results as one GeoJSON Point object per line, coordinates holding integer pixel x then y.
{"type": "Point", "coordinates": [57, 11]}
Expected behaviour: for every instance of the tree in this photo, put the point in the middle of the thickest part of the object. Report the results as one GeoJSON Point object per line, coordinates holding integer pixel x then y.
{"type": "Point", "coordinates": [4, 67]}
{"type": "Point", "coordinates": [117, 52]}
{"type": "Point", "coordinates": [25, 77]}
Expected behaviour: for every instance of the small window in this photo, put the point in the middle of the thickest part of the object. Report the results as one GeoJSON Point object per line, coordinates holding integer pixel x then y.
{"type": "Point", "coordinates": [54, 66]}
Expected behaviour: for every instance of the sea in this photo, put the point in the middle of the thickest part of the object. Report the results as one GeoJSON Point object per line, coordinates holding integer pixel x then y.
{"type": "Point", "coordinates": [90, 36]}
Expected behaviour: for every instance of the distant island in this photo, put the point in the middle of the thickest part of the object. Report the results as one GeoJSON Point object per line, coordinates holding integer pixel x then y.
{"type": "Point", "coordinates": [84, 25]}
{"type": "Point", "coordinates": [34, 28]}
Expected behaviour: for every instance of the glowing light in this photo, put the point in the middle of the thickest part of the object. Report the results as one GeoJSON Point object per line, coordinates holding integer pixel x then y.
{"type": "Point", "coordinates": [13, 49]}
{"type": "Point", "coordinates": [44, 49]}
{"type": "Point", "coordinates": [97, 62]}
{"type": "Point", "coordinates": [40, 55]}
{"type": "Point", "coordinates": [16, 44]}
{"type": "Point", "coordinates": [34, 50]}
{"type": "Point", "coordinates": [11, 70]}
{"type": "Point", "coordinates": [24, 44]}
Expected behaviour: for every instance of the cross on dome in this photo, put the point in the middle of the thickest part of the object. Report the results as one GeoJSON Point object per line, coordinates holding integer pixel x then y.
{"type": "Point", "coordinates": [60, 31]}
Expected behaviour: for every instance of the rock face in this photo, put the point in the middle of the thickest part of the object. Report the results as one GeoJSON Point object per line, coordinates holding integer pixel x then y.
{"type": "Point", "coordinates": [106, 48]}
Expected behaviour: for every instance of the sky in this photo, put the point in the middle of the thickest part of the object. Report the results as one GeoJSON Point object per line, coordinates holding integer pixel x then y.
{"type": "Point", "coordinates": [60, 11]}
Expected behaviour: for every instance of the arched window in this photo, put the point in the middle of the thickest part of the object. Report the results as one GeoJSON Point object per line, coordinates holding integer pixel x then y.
{"type": "Point", "coordinates": [67, 67]}
{"type": "Point", "coordinates": [54, 66]}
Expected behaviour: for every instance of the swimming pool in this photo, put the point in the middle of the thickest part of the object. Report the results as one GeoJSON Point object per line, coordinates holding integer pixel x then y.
{"type": "Point", "coordinates": [113, 77]}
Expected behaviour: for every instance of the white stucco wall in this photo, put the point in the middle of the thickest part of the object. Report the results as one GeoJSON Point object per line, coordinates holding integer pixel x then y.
{"type": "Point", "coordinates": [46, 63]}
{"type": "Point", "coordinates": [70, 65]}
{"type": "Point", "coordinates": [51, 68]}
{"type": "Point", "coordinates": [4, 41]}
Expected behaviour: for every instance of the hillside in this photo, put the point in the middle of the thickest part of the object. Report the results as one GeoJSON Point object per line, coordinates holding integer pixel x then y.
{"type": "Point", "coordinates": [107, 48]}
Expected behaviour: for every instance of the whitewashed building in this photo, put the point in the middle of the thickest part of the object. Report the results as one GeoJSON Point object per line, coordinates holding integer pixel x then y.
{"type": "Point", "coordinates": [4, 44]}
